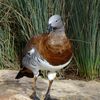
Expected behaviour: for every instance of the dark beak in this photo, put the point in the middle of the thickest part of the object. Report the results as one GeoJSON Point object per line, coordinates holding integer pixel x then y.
{"type": "Point", "coordinates": [50, 28]}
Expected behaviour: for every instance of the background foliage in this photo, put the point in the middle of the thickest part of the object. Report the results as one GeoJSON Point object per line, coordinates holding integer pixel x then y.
{"type": "Point", "coordinates": [20, 19]}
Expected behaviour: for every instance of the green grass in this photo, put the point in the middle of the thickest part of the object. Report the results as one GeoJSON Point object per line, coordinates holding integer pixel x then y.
{"type": "Point", "coordinates": [84, 22]}
{"type": "Point", "coordinates": [8, 56]}
{"type": "Point", "coordinates": [20, 19]}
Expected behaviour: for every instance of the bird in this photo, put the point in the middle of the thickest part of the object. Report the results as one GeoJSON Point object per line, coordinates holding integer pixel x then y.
{"type": "Point", "coordinates": [51, 51]}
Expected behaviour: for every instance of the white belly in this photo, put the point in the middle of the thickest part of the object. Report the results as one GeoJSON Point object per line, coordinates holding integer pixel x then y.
{"type": "Point", "coordinates": [47, 66]}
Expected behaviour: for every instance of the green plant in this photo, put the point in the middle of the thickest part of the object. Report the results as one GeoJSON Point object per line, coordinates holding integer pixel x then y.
{"type": "Point", "coordinates": [85, 24]}
{"type": "Point", "coordinates": [8, 57]}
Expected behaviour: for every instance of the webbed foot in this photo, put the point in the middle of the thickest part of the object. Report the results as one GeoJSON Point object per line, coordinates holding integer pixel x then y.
{"type": "Point", "coordinates": [34, 97]}
{"type": "Point", "coordinates": [47, 97]}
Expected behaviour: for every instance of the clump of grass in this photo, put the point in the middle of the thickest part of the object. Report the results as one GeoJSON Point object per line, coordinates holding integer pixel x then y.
{"type": "Point", "coordinates": [8, 57]}
{"type": "Point", "coordinates": [84, 22]}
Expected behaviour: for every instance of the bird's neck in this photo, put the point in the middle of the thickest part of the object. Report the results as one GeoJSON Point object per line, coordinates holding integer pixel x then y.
{"type": "Point", "coordinates": [58, 32]}
{"type": "Point", "coordinates": [57, 37]}
{"type": "Point", "coordinates": [62, 30]}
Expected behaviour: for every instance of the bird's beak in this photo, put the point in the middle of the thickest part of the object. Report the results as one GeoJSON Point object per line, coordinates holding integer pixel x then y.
{"type": "Point", "coordinates": [50, 28]}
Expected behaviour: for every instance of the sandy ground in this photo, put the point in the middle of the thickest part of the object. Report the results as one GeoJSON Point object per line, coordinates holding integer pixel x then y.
{"type": "Point", "coordinates": [12, 89]}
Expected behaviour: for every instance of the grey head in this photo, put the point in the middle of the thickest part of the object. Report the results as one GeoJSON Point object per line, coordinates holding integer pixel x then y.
{"type": "Point", "coordinates": [55, 23]}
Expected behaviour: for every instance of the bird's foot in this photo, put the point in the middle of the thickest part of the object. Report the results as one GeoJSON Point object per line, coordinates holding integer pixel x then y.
{"type": "Point", "coordinates": [47, 97]}
{"type": "Point", "coordinates": [34, 97]}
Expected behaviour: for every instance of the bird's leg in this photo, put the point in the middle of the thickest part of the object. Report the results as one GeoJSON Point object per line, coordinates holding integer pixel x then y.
{"type": "Point", "coordinates": [34, 86]}
{"type": "Point", "coordinates": [47, 95]}
{"type": "Point", "coordinates": [34, 96]}
{"type": "Point", "coordinates": [51, 77]}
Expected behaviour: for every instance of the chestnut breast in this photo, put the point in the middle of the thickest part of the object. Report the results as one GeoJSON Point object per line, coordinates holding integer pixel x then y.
{"type": "Point", "coordinates": [55, 48]}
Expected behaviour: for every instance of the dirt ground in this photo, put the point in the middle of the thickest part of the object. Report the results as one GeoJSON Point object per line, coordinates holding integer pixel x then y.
{"type": "Point", "coordinates": [12, 89]}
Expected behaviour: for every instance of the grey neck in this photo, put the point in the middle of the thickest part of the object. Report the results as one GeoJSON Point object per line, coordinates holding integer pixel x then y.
{"type": "Point", "coordinates": [60, 29]}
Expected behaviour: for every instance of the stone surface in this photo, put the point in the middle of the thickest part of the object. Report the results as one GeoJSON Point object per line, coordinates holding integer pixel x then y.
{"type": "Point", "coordinates": [12, 89]}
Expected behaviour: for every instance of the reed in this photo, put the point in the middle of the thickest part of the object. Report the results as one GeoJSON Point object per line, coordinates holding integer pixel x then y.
{"type": "Point", "coordinates": [84, 22]}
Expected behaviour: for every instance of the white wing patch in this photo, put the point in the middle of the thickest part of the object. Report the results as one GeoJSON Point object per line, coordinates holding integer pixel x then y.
{"type": "Point", "coordinates": [31, 51]}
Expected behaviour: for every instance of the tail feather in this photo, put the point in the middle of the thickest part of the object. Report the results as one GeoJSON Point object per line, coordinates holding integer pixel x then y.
{"type": "Point", "coordinates": [24, 72]}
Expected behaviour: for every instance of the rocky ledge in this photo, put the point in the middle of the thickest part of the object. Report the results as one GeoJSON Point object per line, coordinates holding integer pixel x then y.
{"type": "Point", "coordinates": [12, 89]}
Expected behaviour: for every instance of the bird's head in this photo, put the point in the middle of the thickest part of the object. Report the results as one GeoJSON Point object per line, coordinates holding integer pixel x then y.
{"type": "Point", "coordinates": [55, 23]}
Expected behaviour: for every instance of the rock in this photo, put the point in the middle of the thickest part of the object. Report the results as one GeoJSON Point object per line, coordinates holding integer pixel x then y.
{"type": "Point", "coordinates": [19, 97]}
{"type": "Point", "coordinates": [12, 89]}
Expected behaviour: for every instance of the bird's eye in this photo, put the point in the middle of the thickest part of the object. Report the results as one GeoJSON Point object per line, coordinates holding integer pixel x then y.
{"type": "Point", "coordinates": [56, 20]}
{"type": "Point", "coordinates": [28, 53]}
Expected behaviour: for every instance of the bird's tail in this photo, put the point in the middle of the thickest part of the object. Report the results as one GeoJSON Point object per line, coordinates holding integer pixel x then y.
{"type": "Point", "coordinates": [24, 72]}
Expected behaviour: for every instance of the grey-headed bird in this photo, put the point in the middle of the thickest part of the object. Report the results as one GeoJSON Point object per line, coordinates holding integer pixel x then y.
{"type": "Point", "coordinates": [50, 51]}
